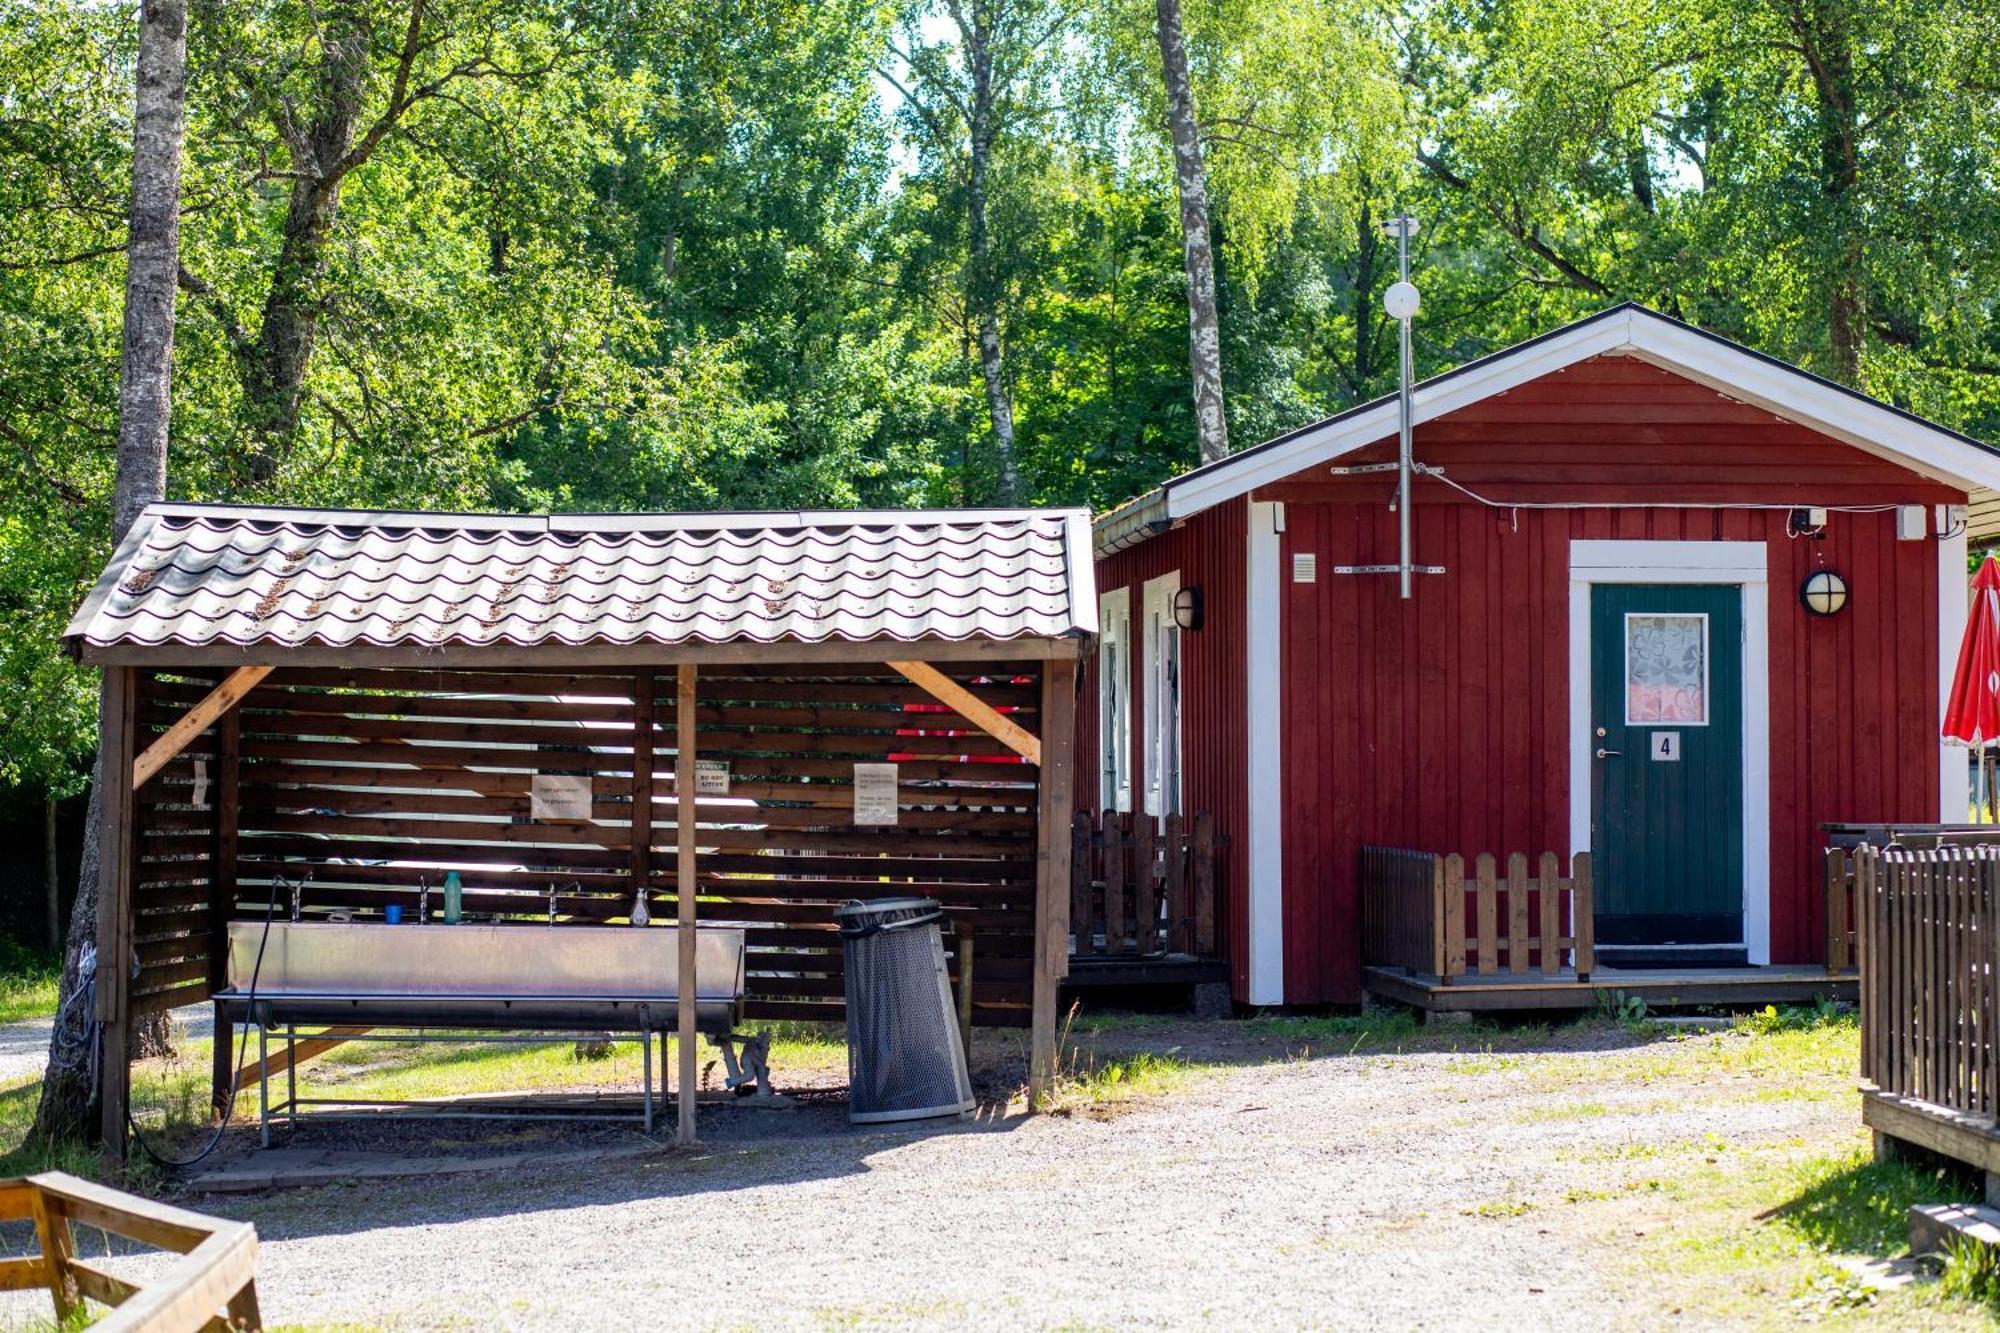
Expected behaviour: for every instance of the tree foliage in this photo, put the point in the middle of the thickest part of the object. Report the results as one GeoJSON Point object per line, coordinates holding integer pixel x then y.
{"type": "Point", "coordinates": [622, 255]}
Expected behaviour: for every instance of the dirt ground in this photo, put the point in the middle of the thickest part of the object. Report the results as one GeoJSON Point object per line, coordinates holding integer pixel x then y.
{"type": "Point", "coordinates": [1238, 1174]}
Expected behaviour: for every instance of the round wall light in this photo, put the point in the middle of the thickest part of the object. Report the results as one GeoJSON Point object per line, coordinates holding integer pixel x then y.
{"type": "Point", "coordinates": [1187, 608]}
{"type": "Point", "coordinates": [1824, 592]}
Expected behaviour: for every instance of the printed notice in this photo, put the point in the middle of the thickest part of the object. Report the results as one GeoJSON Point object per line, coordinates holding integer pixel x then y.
{"type": "Point", "coordinates": [874, 793]}
{"type": "Point", "coordinates": [559, 796]}
{"type": "Point", "coordinates": [711, 777]}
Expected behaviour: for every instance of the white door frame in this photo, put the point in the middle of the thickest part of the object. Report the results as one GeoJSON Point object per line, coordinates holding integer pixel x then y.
{"type": "Point", "coordinates": [1744, 564]}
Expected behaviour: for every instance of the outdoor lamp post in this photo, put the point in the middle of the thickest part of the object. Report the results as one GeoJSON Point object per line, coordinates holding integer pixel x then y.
{"type": "Point", "coordinates": [1824, 592]}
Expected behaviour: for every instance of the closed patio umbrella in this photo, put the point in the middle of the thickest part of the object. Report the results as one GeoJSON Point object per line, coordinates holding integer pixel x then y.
{"type": "Point", "coordinates": [1972, 712]}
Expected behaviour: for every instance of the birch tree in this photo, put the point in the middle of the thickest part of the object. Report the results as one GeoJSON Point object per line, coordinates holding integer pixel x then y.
{"type": "Point", "coordinates": [965, 94]}
{"type": "Point", "coordinates": [145, 380]}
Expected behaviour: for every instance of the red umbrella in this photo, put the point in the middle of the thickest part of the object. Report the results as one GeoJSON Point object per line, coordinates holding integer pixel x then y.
{"type": "Point", "coordinates": [1972, 713]}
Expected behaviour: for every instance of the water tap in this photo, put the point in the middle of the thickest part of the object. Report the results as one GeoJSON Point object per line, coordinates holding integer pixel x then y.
{"type": "Point", "coordinates": [423, 900]}
{"type": "Point", "coordinates": [552, 902]}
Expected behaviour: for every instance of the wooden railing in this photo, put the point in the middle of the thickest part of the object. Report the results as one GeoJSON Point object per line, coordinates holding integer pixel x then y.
{"type": "Point", "coordinates": [1143, 887]}
{"type": "Point", "coordinates": [214, 1286]}
{"type": "Point", "coordinates": [1929, 935]}
{"type": "Point", "coordinates": [1420, 912]}
{"type": "Point", "coordinates": [1842, 950]}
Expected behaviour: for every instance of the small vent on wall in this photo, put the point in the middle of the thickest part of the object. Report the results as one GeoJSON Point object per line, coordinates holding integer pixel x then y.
{"type": "Point", "coordinates": [1305, 567]}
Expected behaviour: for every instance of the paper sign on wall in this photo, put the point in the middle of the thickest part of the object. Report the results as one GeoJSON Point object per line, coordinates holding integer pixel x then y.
{"type": "Point", "coordinates": [874, 793]}
{"type": "Point", "coordinates": [559, 796]}
{"type": "Point", "coordinates": [711, 777]}
{"type": "Point", "coordinates": [201, 782]}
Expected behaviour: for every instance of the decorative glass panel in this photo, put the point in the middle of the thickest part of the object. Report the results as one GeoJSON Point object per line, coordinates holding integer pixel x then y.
{"type": "Point", "coordinates": [1666, 669]}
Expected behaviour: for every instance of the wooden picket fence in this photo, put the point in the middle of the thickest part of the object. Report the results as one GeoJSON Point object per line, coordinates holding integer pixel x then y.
{"type": "Point", "coordinates": [212, 1286]}
{"type": "Point", "coordinates": [1420, 912]}
{"type": "Point", "coordinates": [1141, 887]}
{"type": "Point", "coordinates": [1929, 946]}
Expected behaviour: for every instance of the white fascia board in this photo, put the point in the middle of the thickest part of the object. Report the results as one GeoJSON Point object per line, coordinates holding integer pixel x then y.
{"type": "Point", "coordinates": [1799, 397]}
{"type": "Point", "coordinates": [1343, 435]}
{"type": "Point", "coordinates": [1727, 369]}
{"type": "Point", "coordinates": [1082, 562]}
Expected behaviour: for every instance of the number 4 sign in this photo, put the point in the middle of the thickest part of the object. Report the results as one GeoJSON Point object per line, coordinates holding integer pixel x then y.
{"type": "Point", "coordinates": [1665, 747]}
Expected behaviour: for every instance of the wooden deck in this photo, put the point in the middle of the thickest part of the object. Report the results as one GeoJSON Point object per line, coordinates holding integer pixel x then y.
{"type": "Point", "coordinates": [1661, 988]}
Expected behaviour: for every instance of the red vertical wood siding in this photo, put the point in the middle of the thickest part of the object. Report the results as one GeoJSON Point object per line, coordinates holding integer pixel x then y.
{"type": "Point", "coordinates": [1209, 552]}
{"type": "Point", "coordinates": [1443, 723]}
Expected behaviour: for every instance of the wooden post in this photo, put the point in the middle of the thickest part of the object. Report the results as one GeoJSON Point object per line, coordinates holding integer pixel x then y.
{"type": "Point", "coordinates": [1052, 869]}
{"type": "Point", "coordinates": [1080, 918]}
{"type": "Point", "coordinates": [642, 783]}
{"type": "Point", "coordinates": [114, 905]}
{"type": "Point", "coordinates": [684, 854]}
{"type": "Point", "coordinates": [1583, 915]}
{"type": "Point", "coordinates": [222, 898]}
{"type": "Point", "coordinates": [1204, 885]}
{"type": "Point", "coordinates": [963, 932]}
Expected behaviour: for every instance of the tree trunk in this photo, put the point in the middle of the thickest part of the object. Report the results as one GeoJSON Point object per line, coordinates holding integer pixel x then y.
{"type": "Point", "coordinates": [152, 265]}
{"type": "Point", "coordinates": [52, 872]}
{"type": "Point", "coordinates": [1829, 57]}
{"type": "Point", "coordinates": [985, 284]}
{"type": "Point", "coordinates": [1191, 177]}
{"type": "Point", "coordinates": [275, 370]}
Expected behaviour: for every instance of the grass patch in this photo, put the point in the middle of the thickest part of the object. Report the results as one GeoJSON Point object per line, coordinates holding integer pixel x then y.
{"type": "Point", "coordinates": [28, 982]}
{"type": "Point", "coordinates": [1852, 1205]}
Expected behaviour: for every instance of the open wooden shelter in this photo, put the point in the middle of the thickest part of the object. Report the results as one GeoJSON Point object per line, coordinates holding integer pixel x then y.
{"type": "Point", "coordinates": [355, 700]}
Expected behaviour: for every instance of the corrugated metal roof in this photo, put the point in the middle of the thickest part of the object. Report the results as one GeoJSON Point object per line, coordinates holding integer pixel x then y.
{"type": "Point", "coordinates": [203, 575]}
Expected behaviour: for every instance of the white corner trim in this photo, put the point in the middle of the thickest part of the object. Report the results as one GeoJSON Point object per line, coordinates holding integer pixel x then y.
{"type": "Point", "coordinates": [1723, 366]}
{"type": "Point", "coordinates": [1744, 564]}
{"type": "Point", "coordinates": [1954, 779]}
{"type": "Point", "coordinates": [1264, 739]}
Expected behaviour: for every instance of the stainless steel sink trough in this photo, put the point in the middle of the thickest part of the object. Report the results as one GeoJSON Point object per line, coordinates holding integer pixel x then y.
{"type": "Point", "coordinates": [573, 979]}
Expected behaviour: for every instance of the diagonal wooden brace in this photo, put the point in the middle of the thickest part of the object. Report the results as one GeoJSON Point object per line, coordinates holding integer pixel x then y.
{"type": "Point", "coordinates": [972, 708]}
{"type": "Point", "coordinates": [195, 721]}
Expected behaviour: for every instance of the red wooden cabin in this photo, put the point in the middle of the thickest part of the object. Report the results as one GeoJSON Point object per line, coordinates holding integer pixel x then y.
{"type": "Point", "coordinates": [1617, 658]}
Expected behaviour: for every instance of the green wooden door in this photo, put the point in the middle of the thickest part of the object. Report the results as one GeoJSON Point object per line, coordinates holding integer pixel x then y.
{"type": "Point", "coordinates": [1666, 829]}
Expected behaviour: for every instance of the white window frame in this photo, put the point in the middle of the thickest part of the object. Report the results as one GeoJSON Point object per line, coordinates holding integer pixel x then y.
{"type": "Point", "coordinates": [1164, 770]}
{"type": "Point", "coordinates": [1114, 700]}
{"type": "Point", "coordinates": [1706, 649]}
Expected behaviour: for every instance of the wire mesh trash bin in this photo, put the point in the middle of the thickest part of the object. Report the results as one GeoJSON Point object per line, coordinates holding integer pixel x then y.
{"type": "Point", "coordinates": [904, 1061]}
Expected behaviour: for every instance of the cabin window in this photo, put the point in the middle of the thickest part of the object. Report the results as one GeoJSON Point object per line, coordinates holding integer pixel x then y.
{"type": "Point", "coordinates": [1162, 703]}
{"type": "Point", "coordinates": [1666, 669]}
{"type": "Point", "coordinates": [1114, 700]}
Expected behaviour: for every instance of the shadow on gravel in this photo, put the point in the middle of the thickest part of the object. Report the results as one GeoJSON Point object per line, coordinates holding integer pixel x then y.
{"type": "Point", "coordinates": [665, 1174]}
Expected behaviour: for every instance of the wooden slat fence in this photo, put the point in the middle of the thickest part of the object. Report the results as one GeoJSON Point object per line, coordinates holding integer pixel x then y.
{"type": "Point", "coordinates": [212, 1286]}
{"type": "Point", "coordinates": [1137, 889]}
{"type": "Point", "coordinates": [1420, 911]}
{"type": "Point", "coordinates": [368, 781]}
{"type": "Point", "coordinates": [1929, 926]}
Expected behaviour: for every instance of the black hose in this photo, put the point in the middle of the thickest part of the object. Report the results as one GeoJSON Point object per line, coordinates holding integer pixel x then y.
{"type": "Point", "coordinates": [229, 1108]}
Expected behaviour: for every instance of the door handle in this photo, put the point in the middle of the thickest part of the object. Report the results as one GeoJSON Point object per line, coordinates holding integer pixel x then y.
{"type": "Point", "coordinates": [1608, 754]}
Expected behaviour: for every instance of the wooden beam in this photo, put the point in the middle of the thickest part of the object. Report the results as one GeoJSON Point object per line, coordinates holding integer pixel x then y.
{"type": "Point", "coordinates": [974, 709]}
{"type": "Point", "coordinates": [1052, 887]}
{"type": "Point", "coordinates": [298, 1052]}
{"type": "Point", "coordinates": [561, 657]}
{"type": "Point", "coordinates": [195, 721]}
{"type": "Point", "coordinates": [117, 846]}
{"type": "Point", "coordinates": [684, 854]}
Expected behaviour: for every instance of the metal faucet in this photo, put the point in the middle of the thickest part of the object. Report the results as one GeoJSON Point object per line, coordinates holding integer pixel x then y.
{"type": "Point", "coordinates": [423, 900]}
{"type": "Point", "coordinates": [552, 902]}
{"type": "Point", "coordinates": [298, 897]}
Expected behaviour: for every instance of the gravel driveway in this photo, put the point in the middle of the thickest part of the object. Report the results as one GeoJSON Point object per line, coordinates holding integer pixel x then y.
{"type": "Point", "coordinates": [1421, 1190]}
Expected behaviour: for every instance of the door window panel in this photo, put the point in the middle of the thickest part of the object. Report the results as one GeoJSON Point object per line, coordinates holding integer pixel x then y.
{"type": "Point", "coordinates": [1666, 669]}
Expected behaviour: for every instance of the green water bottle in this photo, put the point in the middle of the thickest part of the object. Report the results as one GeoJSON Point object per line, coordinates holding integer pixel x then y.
{"type": "Point", "coordinates": [454, 895]}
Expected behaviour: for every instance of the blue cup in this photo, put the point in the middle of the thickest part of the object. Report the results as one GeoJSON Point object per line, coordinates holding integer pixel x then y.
{"type": "Point", "coordinates": [393, 914]}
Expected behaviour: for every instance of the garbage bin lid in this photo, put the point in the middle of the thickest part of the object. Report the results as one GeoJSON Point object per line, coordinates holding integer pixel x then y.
{"type": "Point", "coordinates": [887, 905]}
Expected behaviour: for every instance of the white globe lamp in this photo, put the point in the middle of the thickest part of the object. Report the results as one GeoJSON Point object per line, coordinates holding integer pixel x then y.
{"type": "Point", "coordinates": [1402, 301]}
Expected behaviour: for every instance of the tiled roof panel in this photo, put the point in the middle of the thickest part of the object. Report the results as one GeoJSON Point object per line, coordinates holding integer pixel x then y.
{"type": "Point", "coordinates": [203, 575]}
